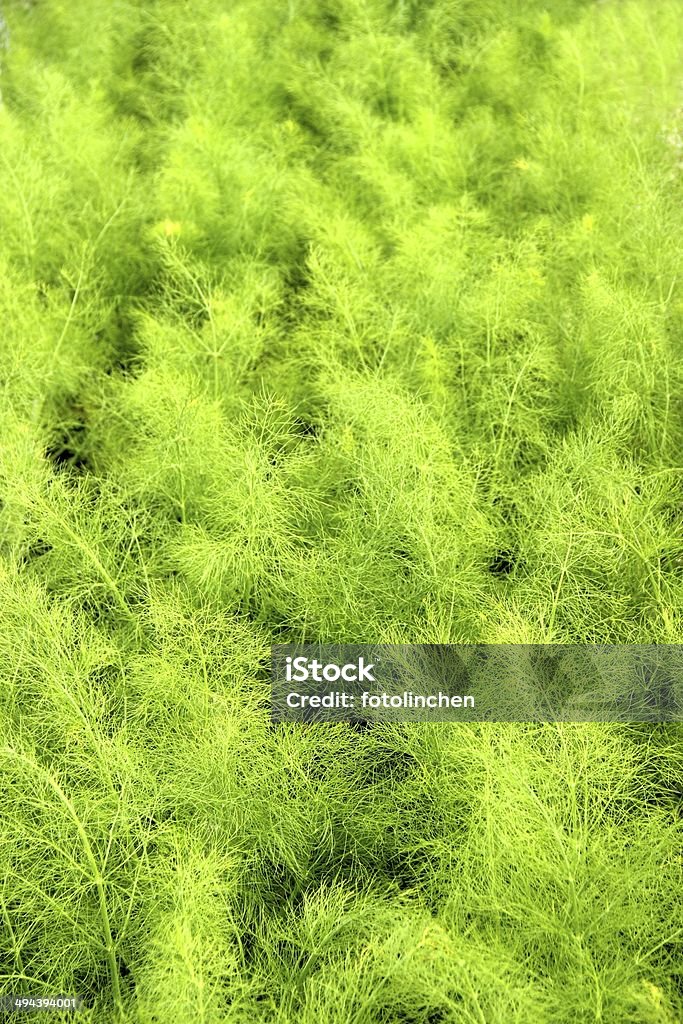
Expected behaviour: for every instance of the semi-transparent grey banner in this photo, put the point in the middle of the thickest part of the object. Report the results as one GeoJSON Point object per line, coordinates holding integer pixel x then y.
{"type": "Point", "coordinates": [366, 684]}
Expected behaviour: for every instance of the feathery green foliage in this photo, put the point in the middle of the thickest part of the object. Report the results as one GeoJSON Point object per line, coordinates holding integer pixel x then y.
{"type": "Point", "coordinates": [352, 321]}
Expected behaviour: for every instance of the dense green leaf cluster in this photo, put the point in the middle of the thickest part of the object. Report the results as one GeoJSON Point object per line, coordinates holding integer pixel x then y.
{"type": "Point", "coordinates": [355, 321]}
